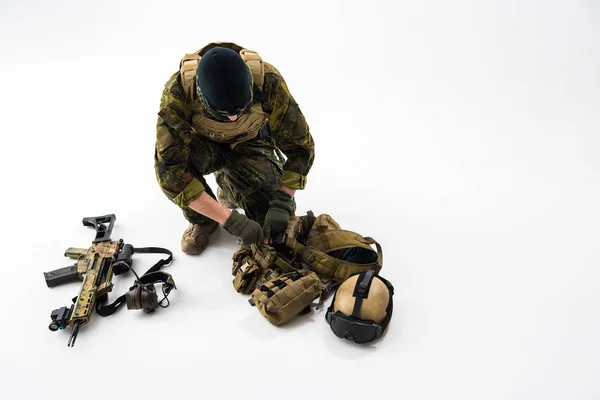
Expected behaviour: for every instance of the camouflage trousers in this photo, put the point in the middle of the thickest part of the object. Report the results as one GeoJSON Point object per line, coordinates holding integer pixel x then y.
{"type": "Point", "coordinates": [248, 175]}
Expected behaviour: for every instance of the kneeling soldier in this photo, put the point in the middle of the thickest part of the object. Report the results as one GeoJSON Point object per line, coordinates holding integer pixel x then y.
{"type": "Point", "coordinates": [228, 112]}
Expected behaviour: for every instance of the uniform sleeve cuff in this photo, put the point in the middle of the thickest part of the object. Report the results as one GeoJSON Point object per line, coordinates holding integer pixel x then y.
{"type": "Point", "coordinates": [191, 192]}
{"type": "Point", "coordinates": [293, 180]}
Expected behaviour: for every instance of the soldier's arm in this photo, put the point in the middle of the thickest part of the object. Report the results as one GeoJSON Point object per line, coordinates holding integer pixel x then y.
{"type": "Point", "coordinates": [172, 147]}
{"type": "Point", "coordinates": [289, 129]}
{"type": "Point", "coordinates": [211, 208]}
{"type": "Point", "coordinates": [172, 153]}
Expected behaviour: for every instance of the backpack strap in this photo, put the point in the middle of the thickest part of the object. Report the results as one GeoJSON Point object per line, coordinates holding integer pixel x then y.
{"type": "Point", "coordinates": [189, 63]}
{"type": "Point", "coordinates": [256, 65]}
{"type": "Point", "coordinates": [331, 268]}
{"type": "Point", "coordinates": [187, 69]}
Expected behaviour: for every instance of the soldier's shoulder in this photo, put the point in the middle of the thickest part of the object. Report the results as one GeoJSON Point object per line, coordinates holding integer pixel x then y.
{"type": "Point", "coordinates": [272, 79]}
{"type": "Point", "coordinates": [173, 85]}
{"type": "Point", "coordinates": [173, 92]}
{"type": "Point", "coordinates": [271, 70]}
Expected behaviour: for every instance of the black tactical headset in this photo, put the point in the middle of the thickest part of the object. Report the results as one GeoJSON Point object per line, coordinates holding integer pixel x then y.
{"type": "Point", "coordinates": [142, 295]}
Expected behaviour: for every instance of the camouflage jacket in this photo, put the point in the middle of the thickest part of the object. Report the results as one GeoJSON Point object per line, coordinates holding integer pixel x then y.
{"type": "Point", "coordinates": [287, 124]}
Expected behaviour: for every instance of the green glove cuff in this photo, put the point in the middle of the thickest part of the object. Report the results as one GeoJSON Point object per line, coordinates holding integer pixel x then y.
{"type": "Point", "coordinates": [235, 223]}
{"type": "Point", "coordinates": [282, 201]}
{"type": "Point", "coordinates": [243, 227]}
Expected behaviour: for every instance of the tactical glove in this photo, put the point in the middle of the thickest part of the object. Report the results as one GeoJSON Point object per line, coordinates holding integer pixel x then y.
{"type": "Point", "coordinates": [243, 227]}
{"type": "Point", "coordinates": [280, 209]}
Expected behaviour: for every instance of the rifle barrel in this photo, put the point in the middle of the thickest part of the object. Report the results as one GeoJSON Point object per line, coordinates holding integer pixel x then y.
{"type": "Point", "coordinates": [73, 336]}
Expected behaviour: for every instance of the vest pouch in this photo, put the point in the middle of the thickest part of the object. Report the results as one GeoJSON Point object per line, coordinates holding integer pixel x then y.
{"type": "Point", "coordinates": [245, 270]}
{"type": "Point", "coordinates": [253, 265]}
{"type": "Point", "coordinates": [281, 299]}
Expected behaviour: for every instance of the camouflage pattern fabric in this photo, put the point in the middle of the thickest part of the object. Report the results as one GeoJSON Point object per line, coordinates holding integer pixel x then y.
{"type": "Point", "coordinates": [248, 174]}
{"type": "Point", "coordinates": [251, 171]}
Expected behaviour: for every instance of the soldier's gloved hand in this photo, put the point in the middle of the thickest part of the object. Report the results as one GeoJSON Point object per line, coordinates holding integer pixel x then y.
{"type": "Point", "coordinates": [281, 208]}
{"type": "Point", "coordinates": [243, 227]}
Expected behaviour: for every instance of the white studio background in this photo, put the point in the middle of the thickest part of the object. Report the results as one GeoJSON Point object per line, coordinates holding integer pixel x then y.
{"type": "Point", "coordinates": [462, 135]}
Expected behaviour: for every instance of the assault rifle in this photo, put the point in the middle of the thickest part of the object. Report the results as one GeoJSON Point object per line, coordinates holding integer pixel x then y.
{"type": "Point", "coordinates": [95, 267]}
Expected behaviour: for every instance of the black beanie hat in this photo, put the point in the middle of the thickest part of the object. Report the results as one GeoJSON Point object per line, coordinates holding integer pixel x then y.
{"type": "Point", "coordinates": [223, 78]}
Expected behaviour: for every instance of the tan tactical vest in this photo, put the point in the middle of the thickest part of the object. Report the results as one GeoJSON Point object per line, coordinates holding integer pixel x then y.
{"type": "Point", "coordinates": [250, 123]}
{"type": "Point", "coordinates": [311, 244]}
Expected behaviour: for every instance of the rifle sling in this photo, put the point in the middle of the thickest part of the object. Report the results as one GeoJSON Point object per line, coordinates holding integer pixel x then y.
{"type": "Point", "coordinates": [110, 309]}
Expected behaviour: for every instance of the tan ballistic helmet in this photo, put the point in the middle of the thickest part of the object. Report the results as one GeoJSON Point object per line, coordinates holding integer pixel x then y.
{"type": "Point", "coordinates": [372, 308]}
{"type": "Point", "coordinates": [361, 308]}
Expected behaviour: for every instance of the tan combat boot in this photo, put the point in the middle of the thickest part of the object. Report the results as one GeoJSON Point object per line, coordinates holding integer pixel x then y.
{"type": "Point", "coordinates": [195, 238]}
{"type": "Point", "coordinates": [225, 201]}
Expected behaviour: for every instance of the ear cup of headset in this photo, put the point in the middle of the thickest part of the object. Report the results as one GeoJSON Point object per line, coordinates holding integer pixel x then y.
{"type": "Point", "coordinates": [142, 296]}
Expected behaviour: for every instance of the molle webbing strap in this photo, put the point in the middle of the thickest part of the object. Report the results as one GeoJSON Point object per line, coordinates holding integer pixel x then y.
{"type": "Point", "coordinates": [316, 260]}
{"type": "Point", "coordinates": [263, 259]}
{"type": "Point", "coordinates": [268, 259]}
{"type": "Point", "coordinates": [295, 276]}
{"type": "Point", "coordinates": [337, 239]}
{"type": "Point", "coordinates": [271, 274]}
{"type": "Point", "coordinates": [266, 290]}
{"type": "Point", "coordinates": [283, 265]}
{"type": "Point", "coordinates": [187, 67]}
{"type": "Point", "coordinates": [279, 283]}
{"type": "Point", "coordinates": [281, 299]}
{"type": "Point", "coordinates": [328, 267]}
